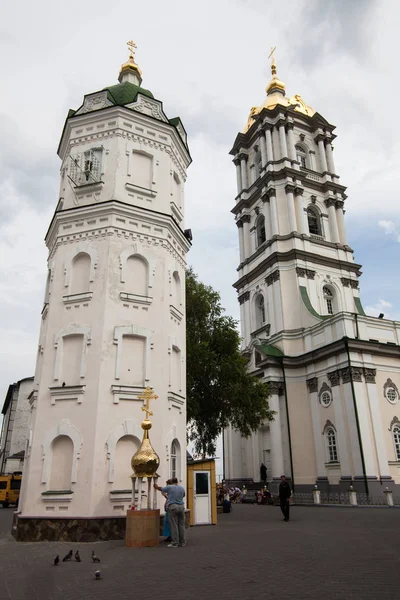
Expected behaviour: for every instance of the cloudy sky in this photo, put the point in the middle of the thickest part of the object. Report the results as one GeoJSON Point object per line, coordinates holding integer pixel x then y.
{"type": "Point", "coordinates": [207, 61]}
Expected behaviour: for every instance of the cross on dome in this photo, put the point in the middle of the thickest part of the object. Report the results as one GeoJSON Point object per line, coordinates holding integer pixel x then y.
{"type": "Point", "coordinates": [146, 396]}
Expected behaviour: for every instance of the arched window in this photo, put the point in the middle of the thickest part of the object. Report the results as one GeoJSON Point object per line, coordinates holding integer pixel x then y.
{"type": "Point", "coordinates": [329, 298]}
{"type": "Point", "coordinates": [257, 164]}
{"type": "Point", "coordinates": [62, 452]}
{"type": "Point", "coordinates": [175, 463]}
{"type": "Point", "coordinates": [331, 446]}
{"type": "Point", "coordinates": [260, 311]}
{"type": "Point", "coordinates": [136, 275]}
{"type": "Point", "coordinates": [396, 440]}
{"type": "Point", "coordinates": [301, 156]}
{"type": "Point", "coordinates": [125, 448]}
{"type": "Point", "coordinates": [314, 221]}
{"type": "Point", "coordinates": [260, 228]}
{"type": "Point", "coordinates": [80, 273]}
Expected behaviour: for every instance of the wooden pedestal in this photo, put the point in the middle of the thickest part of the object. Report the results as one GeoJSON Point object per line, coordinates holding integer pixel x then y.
{"type": "Point", "coordinates": [142, 528]}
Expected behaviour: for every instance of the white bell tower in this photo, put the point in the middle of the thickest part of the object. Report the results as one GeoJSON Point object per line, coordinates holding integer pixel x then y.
{"type": "Point", "coordinates": [113, 320]}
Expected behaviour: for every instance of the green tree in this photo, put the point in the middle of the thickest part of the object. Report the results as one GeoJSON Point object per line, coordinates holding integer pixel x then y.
{"type": "Point", "coordinates": [220, 391]}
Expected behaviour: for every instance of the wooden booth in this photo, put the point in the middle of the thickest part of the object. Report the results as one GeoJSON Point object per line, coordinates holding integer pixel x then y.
{"type": "Point", "coordinates": [202, 491]}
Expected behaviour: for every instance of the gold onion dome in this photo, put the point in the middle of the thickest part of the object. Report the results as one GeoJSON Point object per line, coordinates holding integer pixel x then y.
{"type": "Point", "coordinates": [276, 95]}
{"type": "Point", "coordinates": [146, 461]}
{"type": "Point", "coordinates": [130, 66]}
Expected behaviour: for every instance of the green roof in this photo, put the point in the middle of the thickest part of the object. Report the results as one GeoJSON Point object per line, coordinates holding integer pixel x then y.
{"type": "Point", "coordinates": [125, 93]}
{"type": "Point", "coordinates": [270, 350]}
{"type": "Point", "coordinates": [359, 306]}
{"type": "Point", "coordinates": [307, 302]}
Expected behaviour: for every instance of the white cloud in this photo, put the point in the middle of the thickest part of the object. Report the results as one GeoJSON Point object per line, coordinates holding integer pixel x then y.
{"type": "Point", "coordinates": [381, 306]}
{"type": "Point", "coordinates": [390, 228]}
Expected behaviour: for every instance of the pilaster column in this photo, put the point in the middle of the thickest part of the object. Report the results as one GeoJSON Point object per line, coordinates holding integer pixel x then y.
{"type": "Point", "coordinates": [329, 156]}
{"type": "Point", "coordinates": [321, 148]}
{"type": "Point", "coordinates": [247, 317]}
{"type": "Point", "coordinates": [263, 148]}
{"type": "Point", "coordinates": [243, 167]}
{"type": "Point", "coordinates": [238, 175]}
{"type": "Point", "coordinates": [300, 215]}
{"type": "Point", "coordinates": [282, 139]}
{"type": "Point", "coordinates": [244, 316]}
{"type": "Point", "coordinates": [313, 166]}
{"type": "Point", "coordinates": [267, 216]}
{"type": "Point", "coordinates": [289, 189]}
{"type": "Point", "coordinates": [274, 212]}
{"type": "Point", "coordinates": [378, 431]}
{"type": "Point", "coordinates": [268, 140]}
{"type": "Point", "coordinates": [312, 385]}
{"type": "Point", "coordinates": [291, 144]}
{"type": "Point", "coordinates": [246, 235]}
{"type": "Point", "coordinates": [340, 222]}
{"type": "Point", "coordinates": [330, 203]}
{"type": "Point", "coordinates": [345, 467]}
{"type": "Point", "coordinates": [239, 224]}
{"type": "Point", "coordinates": [275, 429]}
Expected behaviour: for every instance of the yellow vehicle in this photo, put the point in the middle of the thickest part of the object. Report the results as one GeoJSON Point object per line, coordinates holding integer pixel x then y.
{"type": "Point", "coordinates": [10, 486]}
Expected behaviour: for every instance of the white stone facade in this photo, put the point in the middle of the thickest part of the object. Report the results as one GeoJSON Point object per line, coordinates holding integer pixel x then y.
{"type": "Point", "coordinates": [303, 327]}
{"type": "Point", "coordinates": [16, 417]}
{"type": "Point", "coordinates": [113, 321]}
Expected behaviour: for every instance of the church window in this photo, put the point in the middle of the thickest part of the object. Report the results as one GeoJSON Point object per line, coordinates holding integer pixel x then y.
{"type": "Point", "coordinates": [257, 164]}
{"type": "Point", "coordinates": [72, 352]}
{"type": "Point", "coordinates": [176, 290]}
{"type": "Point", "coordinates": [326, 399]}
{"type": "Point", "coordinates": [330, 435]}
{"type": "Point", "coordinates": [314, 221]}
{"type": "Point", "coordinates": [260, 311]}
{"type": "Point", "coordinates": [142, 173]}
{"type": "Point", "coordinates": [176, 369]}
{"type": "Point", "coordinates": [175, 460]}
{"type": "Point", "coordinates": [80, 273]}
{"type": "Point", "coordinates": [85, 168]}
{"type": "Point", "coordinates": [301, 156]}
{"type": "Point", "coordinates": [261, 236]}
{"type": "Point", "coordinates": [396, 440]}
{"type": "Point", "coordinates": [329, 299]}
{"type": "Point", "coordinates": [391, 395]}
{"type": "Point", "coordinates": [133, 360]}
{"type": "Point", "coordinates": [62, 454]}
{"type": "Point", "coordinates": [126, 447]}
{"type": "Point", "coordinates": [136, 275]}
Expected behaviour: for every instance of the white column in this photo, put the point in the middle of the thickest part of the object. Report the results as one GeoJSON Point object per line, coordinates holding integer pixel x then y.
{"type": "Point", "coordinates": [243, 166]}
{"type": "Point", "coordinates": [341, 224]}
{"type": "Point", "coordinates": [263, 148]}
{"type": "Point", "coordinates": [242, 323]}
{"type": "Point", "coordinates": [276, 290]}
{"type": "Point", "coordinates": [300, 215]}
{"type": "Point", "coordinates": [276, 432]}
{"type": "Point", "coordinates": [352, 429]}
{"type": "Point", "coordinates": [290, 206]}
{"type": "Point", "coordinates": [332, 220]}
{"type": "Point", "coordinates": [246, 235]}
{"type": "Point", "coordinates": [267, 217]}
{"type": "Point", "coordinates": [268, 140]}
{"type": "Point", "coordinates": [241, 240]}
{"type": "Point", "coordinates": [345, 468]}
{"type": "Point", "coordinates": [238, 175]}
{"type": "Point", "coordinates": [247, 318]}
{"type": "Point", "coordinates": [329, 157]}
{"type": "Point", "coordinates": [282, 140]}
{"type": "Point", "coordinates": [363, 419]}
{"type": "Point", "coordinates": [322, 157]}
{"type": "Point", "coordinates": [274, 213]}
{"type": "Point", "coordinates": [313, 166]}
{"type": "Point", "coordinates": [376, 419]}
{"type": "Point", "coordinates": [291, 144]}
{"type": "Point", "coordinates": [318, 437]}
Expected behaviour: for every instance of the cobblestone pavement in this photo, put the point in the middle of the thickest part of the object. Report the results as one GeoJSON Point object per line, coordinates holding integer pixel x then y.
{"type": "Point", "coordinates": [325, 553]}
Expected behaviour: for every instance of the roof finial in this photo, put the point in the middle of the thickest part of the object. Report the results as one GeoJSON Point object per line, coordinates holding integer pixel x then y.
{"type": "Point", "coordinates": [130, 71]}
{"type": "Point", "coordinates": [274, 85]}
{"type": "Point", "coordinates": [272, 57]}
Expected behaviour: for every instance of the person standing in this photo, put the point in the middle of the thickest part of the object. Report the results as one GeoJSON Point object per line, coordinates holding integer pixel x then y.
{"type": "Point", "coordinates": [166, 528]}
{"type": "Point", "coordinates": [263, 473]}
{"type": "Point", "coordinates": [176, 511]}
{"type": "Point", "coordinates": [285, 491]}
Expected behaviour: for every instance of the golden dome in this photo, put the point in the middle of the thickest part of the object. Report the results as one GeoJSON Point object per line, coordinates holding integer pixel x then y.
{"type": "Point", "coordinates": [276, 90]}
{"type": "Point", "coordinates": [130, 66]}
{"type": "Point", "coordinates": [145, 461]}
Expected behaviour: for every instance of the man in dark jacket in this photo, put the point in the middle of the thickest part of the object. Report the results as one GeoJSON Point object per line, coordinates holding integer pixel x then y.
{"type": "Point", "coordinates": [285, 492]}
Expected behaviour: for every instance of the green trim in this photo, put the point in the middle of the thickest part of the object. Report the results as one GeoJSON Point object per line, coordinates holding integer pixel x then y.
{"type": "Point", "coordinates": [269, 350]}
{"type": "Point", "coordinates": [58, 492]}
{"type": "Point", "coordinates": [359, 306]}
{"type": "Point", "coordinates": [307, 302]}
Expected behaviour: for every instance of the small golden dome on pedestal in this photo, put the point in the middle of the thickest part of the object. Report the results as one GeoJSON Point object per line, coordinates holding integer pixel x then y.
{"type": "Point", "coordinates": [146, 461]}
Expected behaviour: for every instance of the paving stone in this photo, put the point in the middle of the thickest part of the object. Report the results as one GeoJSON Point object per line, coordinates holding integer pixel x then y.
{"type": "Point", "coordinates": [329, 553]}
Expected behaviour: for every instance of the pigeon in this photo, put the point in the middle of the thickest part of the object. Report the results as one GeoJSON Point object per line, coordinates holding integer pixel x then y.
{"type": "Point", "coordinates": [63, 384]}
{"type": "Point", "coordinates": [77, 557]}
{"type": "Point", "coordinates": [56, 560]}
{"type": "Point", "coordinates": [94, 557]}
{"type": "Point", "coordinates": [68, 556]}
{"type": "Point", "coordinates": [97, 574]}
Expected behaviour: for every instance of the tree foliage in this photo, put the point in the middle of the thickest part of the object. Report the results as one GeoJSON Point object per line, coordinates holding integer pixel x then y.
{"type": "Point", "coordinates": [220, 391]}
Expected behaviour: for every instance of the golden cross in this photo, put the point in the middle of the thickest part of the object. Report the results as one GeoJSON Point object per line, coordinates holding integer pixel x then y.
{"type": "Point", "coordinates": [146, 396]}
{"type": "Point", "coordinates": [132, 48]}
{"type": "Point", "coordinates": [272, 56]}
